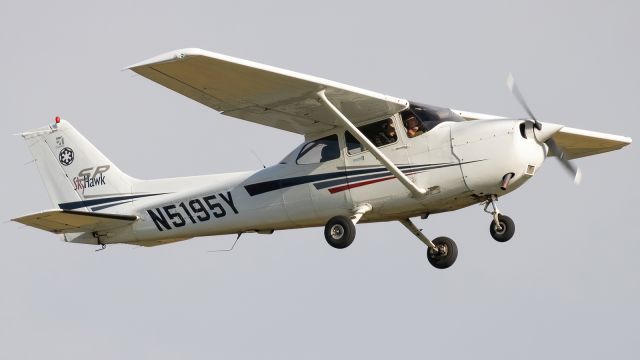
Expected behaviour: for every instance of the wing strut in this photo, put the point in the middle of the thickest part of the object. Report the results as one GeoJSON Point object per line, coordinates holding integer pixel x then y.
{"type": "Point", "coordinates": [415, 190]}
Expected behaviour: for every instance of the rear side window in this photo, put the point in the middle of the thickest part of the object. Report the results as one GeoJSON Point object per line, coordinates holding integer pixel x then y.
{"type": "Point", "coordinates": [320, 150]}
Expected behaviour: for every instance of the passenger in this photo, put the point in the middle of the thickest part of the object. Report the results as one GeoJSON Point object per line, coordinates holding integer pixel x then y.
{"type": "Point", "coordinates": [387, 135]}
{"type": "Point", "coordinates": [413, 127]}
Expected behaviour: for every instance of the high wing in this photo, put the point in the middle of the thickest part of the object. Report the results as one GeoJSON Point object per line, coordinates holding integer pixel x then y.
{"type": "Point", "coordinates": [60, 221]}
{"type": "Point", "coordinates": [264, 94]}
{"type": "Point", "coordinates": [289, 100]}
{"type": "Point", "coordinates": [577, 143]}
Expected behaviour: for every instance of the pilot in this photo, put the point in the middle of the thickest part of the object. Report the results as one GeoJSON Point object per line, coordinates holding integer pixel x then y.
{"type": "Point", "coordinates": [413, 126]}
{"type": "Point", "coordinates": [387, 135]}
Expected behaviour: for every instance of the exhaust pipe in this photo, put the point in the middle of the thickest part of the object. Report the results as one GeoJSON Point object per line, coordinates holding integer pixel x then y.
{"type": "Point", "coordinates": [505, 181]}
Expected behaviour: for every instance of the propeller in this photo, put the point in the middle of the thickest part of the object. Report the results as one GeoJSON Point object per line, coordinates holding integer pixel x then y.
{"type": "Point", "coordinates": [553, 146]}
{"type": "Point", "coordinates": [511, 83]}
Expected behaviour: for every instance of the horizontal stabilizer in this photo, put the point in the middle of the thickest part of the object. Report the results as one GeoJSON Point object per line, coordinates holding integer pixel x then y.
{"type": "Point", "coordinates": [60, 221]}
{"type": "Point", "coordinates": [151, 243]}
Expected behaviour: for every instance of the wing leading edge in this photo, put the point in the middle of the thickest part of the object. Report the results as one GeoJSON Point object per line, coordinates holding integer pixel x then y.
{"type": "Point", "coordinates": [577, 143]}
{"type": "Point", "coordinates": [263, 94]}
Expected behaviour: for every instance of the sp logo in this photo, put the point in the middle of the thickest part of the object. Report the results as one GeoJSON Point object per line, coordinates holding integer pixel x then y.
{"type": "Point", "coordinates": [90, 173]}
{"type": "Point", "coordinates": [66, 156]}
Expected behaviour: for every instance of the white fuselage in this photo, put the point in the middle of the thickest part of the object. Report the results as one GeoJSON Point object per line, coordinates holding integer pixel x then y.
{"type": "Point", "coordinates": [458, 163]}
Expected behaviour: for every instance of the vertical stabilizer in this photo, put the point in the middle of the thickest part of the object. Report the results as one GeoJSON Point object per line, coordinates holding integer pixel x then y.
{"type": "Point", "coordinates": [76, 174]}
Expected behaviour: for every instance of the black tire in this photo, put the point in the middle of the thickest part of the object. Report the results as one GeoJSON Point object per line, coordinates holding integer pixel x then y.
{"type": "Point", "coordinates": [446, 254]}
{"type": "Point", "coordinates": [340, 232]}
{"type": "Point", "coordinates": [504, 231]}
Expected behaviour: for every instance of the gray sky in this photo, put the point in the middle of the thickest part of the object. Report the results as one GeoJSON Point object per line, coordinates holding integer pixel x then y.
{"type": "Point", "coordinates": [567, 285]}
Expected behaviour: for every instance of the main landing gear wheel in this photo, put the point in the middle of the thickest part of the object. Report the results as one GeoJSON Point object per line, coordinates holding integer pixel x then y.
{"type": "Point", "coordinates": [445, 253]}
{"type": "Point", "coordinates": [340, 232]}
{"type": "Point", "coordinates": [503, 230]}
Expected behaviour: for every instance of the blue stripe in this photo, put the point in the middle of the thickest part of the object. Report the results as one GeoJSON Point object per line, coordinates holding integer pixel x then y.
{"type": "Point", "coordinates": [330, 183]}
{"type": "Point", "coordinates": [271, 185]}
{"type": "Point", "coordinates": [96, 208]}
{"type": "Point", "coordinates": [88, 203]}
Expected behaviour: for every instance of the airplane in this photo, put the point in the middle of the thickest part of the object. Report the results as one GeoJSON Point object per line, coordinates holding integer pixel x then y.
{"type": "Point", "coordinates": [366, 157]}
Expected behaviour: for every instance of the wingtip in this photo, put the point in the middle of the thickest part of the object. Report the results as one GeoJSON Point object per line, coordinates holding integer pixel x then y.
{"type": "Point", "coordinates": [510, 81]}
{"type": "Point", "coordinates": [578, 179]}
{"type": "Point", "coordinates": [170, 56]}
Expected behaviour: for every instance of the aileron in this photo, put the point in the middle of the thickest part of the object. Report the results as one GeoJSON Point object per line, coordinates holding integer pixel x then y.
{"type": "Point", "coordinates": [263, 94]}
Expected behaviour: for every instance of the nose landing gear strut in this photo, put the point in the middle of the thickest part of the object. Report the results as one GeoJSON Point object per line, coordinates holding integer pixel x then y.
{"type": "Point", "coordinates": [502, 227]}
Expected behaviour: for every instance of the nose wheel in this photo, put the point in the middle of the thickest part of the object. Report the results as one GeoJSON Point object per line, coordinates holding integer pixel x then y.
{"type": "Point", "coordinates": [502, 230]}
{"type": "Point", "coordinates": [502, 227]}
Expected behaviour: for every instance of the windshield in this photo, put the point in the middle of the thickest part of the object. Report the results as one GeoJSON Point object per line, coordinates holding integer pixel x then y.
{"type": "Point", "coordinates": [420, 118]}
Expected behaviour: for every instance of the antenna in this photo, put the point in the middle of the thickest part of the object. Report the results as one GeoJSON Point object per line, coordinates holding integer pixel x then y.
{"type": "Point", "coordinates": [229, 249]}
{"type": "Point", "coordinates": [259, 160]}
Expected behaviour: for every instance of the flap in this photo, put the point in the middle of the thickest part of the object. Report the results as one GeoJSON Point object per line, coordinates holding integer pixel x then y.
{"type": "Point", "coordinates": [577, 143]}
{"type": "Point", "coordinates": [263, 94]}
{"type": "Point", "coordinates": [60, 221]}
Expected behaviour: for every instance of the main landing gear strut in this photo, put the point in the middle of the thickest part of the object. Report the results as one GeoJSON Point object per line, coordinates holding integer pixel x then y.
{"type": "Point", "coordinates": [341, 230]}
{"type": "Point", "coordinates": [442, 253]}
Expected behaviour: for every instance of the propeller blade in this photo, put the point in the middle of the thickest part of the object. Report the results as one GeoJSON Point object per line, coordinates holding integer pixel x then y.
{"type": "Point", "coordinates": [511, 83]}
{"type": "Point", "coordinates": [553, 146]}
{"type": "Point", "coordinates": [572, 169]}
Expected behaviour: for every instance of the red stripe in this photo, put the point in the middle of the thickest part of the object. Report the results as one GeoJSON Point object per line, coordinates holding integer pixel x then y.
{"type": "Point", "coordinates": [354, 185]}
{"type": "Point", "coordinates": [368, 182]}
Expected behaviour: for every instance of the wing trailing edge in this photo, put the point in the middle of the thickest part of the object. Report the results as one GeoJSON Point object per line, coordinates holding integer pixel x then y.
{"type": "Point", "coordinates": [264, 94]}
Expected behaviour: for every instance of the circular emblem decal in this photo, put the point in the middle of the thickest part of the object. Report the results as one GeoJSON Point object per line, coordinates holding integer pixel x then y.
{"type": "Point", "coordinates": [66, 156]}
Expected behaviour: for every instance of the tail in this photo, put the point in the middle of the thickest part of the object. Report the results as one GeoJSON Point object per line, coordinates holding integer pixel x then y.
{"type": "Point", "coordinates": [76, 174]}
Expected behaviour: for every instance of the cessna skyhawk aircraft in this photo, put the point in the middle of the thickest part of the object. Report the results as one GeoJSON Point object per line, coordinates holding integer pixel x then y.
{"type": "Point", "coordinates": [366, 157]}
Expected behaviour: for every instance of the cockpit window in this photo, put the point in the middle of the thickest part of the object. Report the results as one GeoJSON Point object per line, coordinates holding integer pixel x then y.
{"type": "Point", "coordinates": [420, 118]}
{"type": "Point", "coordinates": [411, 123]}
{"type": "Point", "coordinates": [380, 133]}
{"type": "Point", "coordinates": [320, 150]}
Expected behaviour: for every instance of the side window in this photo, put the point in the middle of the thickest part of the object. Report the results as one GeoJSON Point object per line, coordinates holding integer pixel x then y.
{"type": "Point", "coordinates": [353, 145]}
{"type": "Point", "coordinates": [380, 133]}
{"type": "Point", "coordinates": [320, 150]}
{"type": "Point", "coordinates": [412, 124]}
